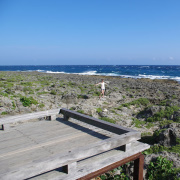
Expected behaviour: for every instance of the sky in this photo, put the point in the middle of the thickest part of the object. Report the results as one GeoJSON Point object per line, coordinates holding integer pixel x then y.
{"type": "Point", "coordinates": [92, 32]}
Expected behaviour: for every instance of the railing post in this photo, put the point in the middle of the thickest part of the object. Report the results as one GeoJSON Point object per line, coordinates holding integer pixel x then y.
{"type": "Point", "coordinates": [66, 117]}
{"type": "Point", "coordinates": [138, 168]}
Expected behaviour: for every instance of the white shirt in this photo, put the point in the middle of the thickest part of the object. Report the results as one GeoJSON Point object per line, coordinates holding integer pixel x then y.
{"type": "Point", "coordinates": [102, 85]}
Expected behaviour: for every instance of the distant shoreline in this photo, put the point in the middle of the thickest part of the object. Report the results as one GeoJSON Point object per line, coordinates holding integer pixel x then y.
{"type": "Point", "coordinates": [130, 71]}
{"type": "Point", "coordinates": [76, 75]}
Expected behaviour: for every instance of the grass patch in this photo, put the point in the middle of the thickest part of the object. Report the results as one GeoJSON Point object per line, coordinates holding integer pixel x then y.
{"type": "Point", "coordinates": [40, 93]}
{"type": "Point", "coordinates": [80, 111]}
{"type": "Point", "coordinates": [155, 149]}
{"type": "Point", "coordinates": [138, 123]}
{"type": "Point", "coordinates": [137, 102]}
{"type": "Point", "coordinates": [108, 120]}
{"type": "Point", "coordinates": [41, 105]}
{"type": "Point", "coordinates": [26, 83]}
{"type": "Point", "coordinates": [53, 92]}
{"type": "Point", "coordinates": [28, 101]}
{"type": "Point", "coordinates": [13, 104]}
{"type": "Point", "coordinates": [4, 113]}
{"type": "Point", "coordinates": [99, 110]}
{"type": "Point", "coordinates": [4, 94]}
{"type": "Point", "coordinates": [161, 169]}
{"type": "Point", "coordinates": [167, 113]}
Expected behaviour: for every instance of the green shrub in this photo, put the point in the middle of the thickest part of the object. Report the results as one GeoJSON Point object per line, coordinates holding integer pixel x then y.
{"type": "Point", "coordinates": [73, 108]}
{"type": "Point", "coordinates": [4, 94]}
{"type": "Point", "coordinates": [149, 125]}
{"type": "Point", "coordinates": [13, 104]}
{"type": "Point", "coordinates": [137, 102]}
{"type": "Point", "coordinates": [174, 97]}
{"type": "Point", "coordinates": [99, 110]}
{"type": "Point", "coordinates": [163, 102]}
{"type": "Point", "coordinates": [80, 111]}
{"type": "Point", "coordinates": [165, 122]}
{"type": "Point", "coordinates": [45, 82]}
{"type": "Point", "coordinates": [138, 123]}
{"type": "Point", "coordinates": [28, 101]}
{"type": "Point", "coordinates": [115, 175]}
{"type": "Point", "coordinates": [167, 113]}
{"type": "Point", "coordinates": [4, 113]}
{"type": "Point", "coordinates": [108, 120]}
{"type": "Point", "coordinates": [155, 149]}
{"type": "Point", "coordinates": [40, 93]}
{"type": "Point", "coordinates": [9, 91]}
{"type": "Point", "coordinates": [53, 92]}
{"type": "Point", "coordinates": [26, 83]}
{"type": "Point", "coordinates": [41, 105]}
{"type": "Point", "coordinates": [161, 169]}
{"type": "Point", "coordinates": [96, 93]}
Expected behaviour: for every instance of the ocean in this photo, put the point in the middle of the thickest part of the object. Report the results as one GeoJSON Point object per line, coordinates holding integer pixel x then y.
{"type": "Point", "coordinates": [132, 71]}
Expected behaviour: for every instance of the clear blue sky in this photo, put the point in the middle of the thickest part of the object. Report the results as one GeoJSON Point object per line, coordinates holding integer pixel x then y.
{"type": "Point", "coordinates": [44, 32]}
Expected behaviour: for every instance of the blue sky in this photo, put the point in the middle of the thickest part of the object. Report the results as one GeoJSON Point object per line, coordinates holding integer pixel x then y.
{"type": "Point", "coordinates": [45, 32]}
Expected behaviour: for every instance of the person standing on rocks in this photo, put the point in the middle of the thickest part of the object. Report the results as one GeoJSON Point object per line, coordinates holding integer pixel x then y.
{"type": "Point", "coordinates": [102, 83]}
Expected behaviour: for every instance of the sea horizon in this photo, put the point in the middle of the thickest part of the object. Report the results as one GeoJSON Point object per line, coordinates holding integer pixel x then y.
{"type": "Point", "coordinates": [171, 72]}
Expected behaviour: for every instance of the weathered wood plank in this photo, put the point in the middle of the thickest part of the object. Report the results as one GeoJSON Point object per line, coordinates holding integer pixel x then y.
{"type": "Point", "coordinates": [43, 165]}
{"type": "Point", "coordinates": [9, 135]}
{"type": "Point", "coordinates": [94, 163]}
{"type": "Point", "coordinates": [14, 142]}
{"type": "Point", "coordinates": [25, 117]}
{"type": "Point", "coordinates": [22, 159]}
{"type": "Point", "coordinates": [71, 144]}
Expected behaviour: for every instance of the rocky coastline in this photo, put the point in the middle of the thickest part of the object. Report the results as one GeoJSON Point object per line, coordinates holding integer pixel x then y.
{"type": "Point", "coordinates": [149, 106]}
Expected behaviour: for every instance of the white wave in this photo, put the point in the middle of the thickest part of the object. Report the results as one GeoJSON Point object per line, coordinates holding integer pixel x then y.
{"type": "Point", "coordinates": [98, 74]}
{"type": "Point", "coordinates": [39, 70]}
{"type": "Point", "coordinates": [87, 73]}
{"type": "Point", "coordinates": [159, 77]}
{"type": "Point", "coordinates": [144, 67]}
{"type": "Point", "coordinates": [57, 72]}
{"type": "Point", "coordinates": [177, 78]}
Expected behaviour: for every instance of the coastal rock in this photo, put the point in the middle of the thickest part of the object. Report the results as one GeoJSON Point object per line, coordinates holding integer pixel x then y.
{"type": "Point", "coordinates": [69, 98]}
{"type": "Point", "coordinates": [168, 137]}
{"type": "Point", "coordinates": [176, 116]}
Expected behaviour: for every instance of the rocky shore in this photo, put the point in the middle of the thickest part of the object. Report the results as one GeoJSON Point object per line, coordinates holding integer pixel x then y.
{"type": "Point", "coordinates": [149, 106]}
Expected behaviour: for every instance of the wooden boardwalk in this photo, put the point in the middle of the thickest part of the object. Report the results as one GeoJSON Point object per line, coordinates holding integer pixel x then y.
{"type": "Point", "coordinates": [60, 149]}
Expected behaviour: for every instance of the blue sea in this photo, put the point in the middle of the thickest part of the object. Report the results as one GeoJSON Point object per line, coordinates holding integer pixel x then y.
{"type": "Point", "coordinates": [132, 71]}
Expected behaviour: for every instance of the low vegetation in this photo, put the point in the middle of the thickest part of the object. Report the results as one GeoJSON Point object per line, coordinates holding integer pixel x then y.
{"type": "Point", "coordinates": [28, 101]}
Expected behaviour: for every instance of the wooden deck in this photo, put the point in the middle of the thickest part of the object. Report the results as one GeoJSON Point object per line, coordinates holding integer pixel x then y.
{"type": "Point", "coordinates": [61, 149]}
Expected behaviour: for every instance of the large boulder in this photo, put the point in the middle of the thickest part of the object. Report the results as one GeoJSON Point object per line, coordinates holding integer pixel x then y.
{"type": "Point", "coordinates": [168, 135]}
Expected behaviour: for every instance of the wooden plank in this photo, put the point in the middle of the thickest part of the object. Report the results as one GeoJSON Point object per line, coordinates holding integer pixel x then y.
{"type": "Point", "coordinates": [25, 117]}
{"type": "Point", "coordinates": [17, 147]}
{"type": "Point", "coordinates": [70, 139]}
{"type": "Point", "coordinates": [9, 135]}
{"type": "Point", "coordinates": [95, 122]}
{"type": "Point", "coordinates": [38, 131]}
{"type": "Point", "coordinates": [28, 126]}
{"type": "Point", "coordinates": [22, 159]}
{"type": "Point", "coordinates": [82, 141]}
{"type": "Point", "coordinates": [63, 132]}
{"type": "Point", "coordinates": [14, 142]}
{"type": "Point", "coordinates": [43, 165]}
{"type": "Point", "coordinates": [94, 163]}
{"type": "Point", "coordinates": [29, 145]}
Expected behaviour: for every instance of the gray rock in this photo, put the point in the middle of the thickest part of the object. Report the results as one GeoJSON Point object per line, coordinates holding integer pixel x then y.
{"type": "Point", "coordinates": [168, 136]}
{"type": "Point", "coordinates": [69, 98]}
{"type": "Point", "coordinates": [176, 116]}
